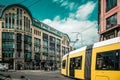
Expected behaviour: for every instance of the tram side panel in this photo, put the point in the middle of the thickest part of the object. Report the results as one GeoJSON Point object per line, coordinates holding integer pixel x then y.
{"type": "Point", "coordinates": [63, 66]}
{"type": "Point", "coordinates": [76, 65]}
{"type": "Point", "coordinates": [106, 62]}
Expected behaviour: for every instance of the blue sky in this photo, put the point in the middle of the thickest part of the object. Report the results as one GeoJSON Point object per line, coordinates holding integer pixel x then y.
{"type": "Point", "coordinates": [77, 18]}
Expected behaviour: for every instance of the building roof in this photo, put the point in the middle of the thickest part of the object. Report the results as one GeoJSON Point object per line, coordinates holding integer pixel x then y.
{"type": "Point", "coordinates": [19, 5]}
{"type": "Point", "coordinates": [1, 9]}
{"type": "Point", "coordinates": [35, 22]}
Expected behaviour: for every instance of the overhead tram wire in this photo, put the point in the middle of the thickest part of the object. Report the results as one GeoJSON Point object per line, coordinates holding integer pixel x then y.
{"type": "Point", "coordinates": [2, 2]}
{"type": "Point", "coordinates": [22, 1]}
{"type": "Point", "coordinates": [88, 28]}
{"type": "Point", "coordinates": [5, 1]}
{"type": "Point", "coordinates": [33, 3]}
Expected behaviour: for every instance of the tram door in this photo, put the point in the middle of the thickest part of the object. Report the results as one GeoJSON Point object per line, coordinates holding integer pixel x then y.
{"type": "Point", "coordinates": [72, 67]}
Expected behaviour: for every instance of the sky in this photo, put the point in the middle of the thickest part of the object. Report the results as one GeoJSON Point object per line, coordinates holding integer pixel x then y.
{"type": "Point", "coordinates": [77, 18]}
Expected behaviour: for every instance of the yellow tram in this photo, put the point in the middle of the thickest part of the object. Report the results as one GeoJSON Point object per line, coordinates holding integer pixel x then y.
{"type": "Point", "coordinates": [100, 61]}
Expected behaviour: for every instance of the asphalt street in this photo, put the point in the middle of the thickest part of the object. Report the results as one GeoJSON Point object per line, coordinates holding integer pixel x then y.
{"type": "Point", "coordinates": [34, 75]}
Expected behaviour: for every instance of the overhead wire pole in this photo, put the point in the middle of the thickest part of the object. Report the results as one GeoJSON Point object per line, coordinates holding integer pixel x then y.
{"type": "Point", "coordinates": [77, 39]}
{"type": "Point", "coordinates": [33, 3]}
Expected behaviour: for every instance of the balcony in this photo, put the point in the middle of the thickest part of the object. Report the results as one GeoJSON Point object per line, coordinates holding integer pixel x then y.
{"type": "Point", "coordinates": [114, 27]}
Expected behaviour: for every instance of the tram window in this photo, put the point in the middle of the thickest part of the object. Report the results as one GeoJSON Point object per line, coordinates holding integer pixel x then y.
{"type": "Point", "coordinates": [109, 60]}
{"type": "Point", "coordinates": [78, 62]}
{"type": "Point", "coordinates": [63, 64]}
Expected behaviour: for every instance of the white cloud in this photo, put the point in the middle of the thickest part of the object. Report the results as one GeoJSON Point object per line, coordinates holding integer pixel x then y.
{"type": "Point", "coordinates": [55, 0]}
{"type": "Point", "coordinates": [85, 10]}
{"type": "Point", "coordinates": [74, 23]}
{"type": "Point", "coordinates": [71, 6]}
{"type": "Point", "coordinates": [65, 3]}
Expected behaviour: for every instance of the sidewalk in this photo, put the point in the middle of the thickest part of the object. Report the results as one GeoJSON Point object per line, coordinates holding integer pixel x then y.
{"type": "Point", "coordinates": [41, 71]}
{"type": "Point", "coordinates": [29, 70]}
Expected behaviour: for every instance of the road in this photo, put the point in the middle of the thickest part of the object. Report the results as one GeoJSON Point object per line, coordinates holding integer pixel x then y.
{"type": "Point", "coordinates": [35, 75]}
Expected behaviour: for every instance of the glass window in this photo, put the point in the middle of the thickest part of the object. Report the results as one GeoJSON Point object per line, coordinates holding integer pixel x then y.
{"type": "Point", "coordinates": [13, 20]}
{"type": "Point", "coordinates": [58, 41]}
{"type": "Point", "coordinates": [63, 64]}
{"type": "Point", "coordinates": [78, 62]}
{"type": "Point", "coordinates": [6, 20]}
{"type": "Point", "coordinates": [10, 20]}
{"type": "Point", "coordinates": [45, 36]}
{"type": "Point", "coordinates": [7, 44]}
{"type": "Point", "coordinates": [24, 23]}
{"type": "Point", "coordinates": [110, 4]}
{"type": "Point", "coordinates": [37, 41]}
{"type": "Point", "coordinates": [2, 24]}
{"type": "Point", "coordinates": [111, 21]}
{"type": "Point", "coordinates": [29, 25]}
{"type": "Point", "coordinates": [63, 50]}
{"type": "Point", "coordinates": [21, 14]}
{"type": "Point", "coordinates": [17, 19]}
{"type": "Point", "coordinates": [109, 60]}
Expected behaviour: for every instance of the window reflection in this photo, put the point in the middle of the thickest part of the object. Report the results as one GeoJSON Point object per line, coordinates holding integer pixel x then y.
{"type": "Point", "coordinates": [108, 60]}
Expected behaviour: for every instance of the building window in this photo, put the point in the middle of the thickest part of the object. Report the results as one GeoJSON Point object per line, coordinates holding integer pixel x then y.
{"type": "Point", "coordinates": [27, 24]}
{"type": "Point", "coordinates": [111, 21]}
{"type": "Point", "coordinates": [36, 45]}
{"type": "Point", "coordinates": [9, 20]}
{"type": "Point", "coordinates": [109, 60]}
{"type": "Point", "coordinates": [63, 50]}
{"type": "Point", "coordinates": [17, 19]}
{"type": "Point", "coordinates": [39, 33]}
{"type": "Point", "coordinates": [20, 19]}
{"type": "Point", "coordinates": [52, 39]}
{"type": "Point", "coordinates": [27, 47]}
{"type": "Point", "coordinates": [37, 49]}
{"type": "Point", "coordinates": [24, 23]}
{"type": "Point", "coordinates": [7, 46]}
{"type": "Point", "coordinates": [2, 24]}
{"type": "Point", "coordinates": [45, 36]}
{"type": "Point", "coordinates": [13, 20]}
{"type": "Point", "coordinates": [110, 4]}
{"type": "Point", "coordinates": [6, 21]}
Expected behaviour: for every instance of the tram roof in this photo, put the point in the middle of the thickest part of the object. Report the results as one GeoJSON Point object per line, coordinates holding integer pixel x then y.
{"type": "Point", "coordinates": [78, 50]}
{"type": "Point", "coordinates": [65, 55]}
{"type": "Point", "coordinates": [107, 42]}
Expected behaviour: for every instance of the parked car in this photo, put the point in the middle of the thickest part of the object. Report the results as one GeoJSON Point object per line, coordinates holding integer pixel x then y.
{"type": "Point", "coordinates": [3, 67]}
